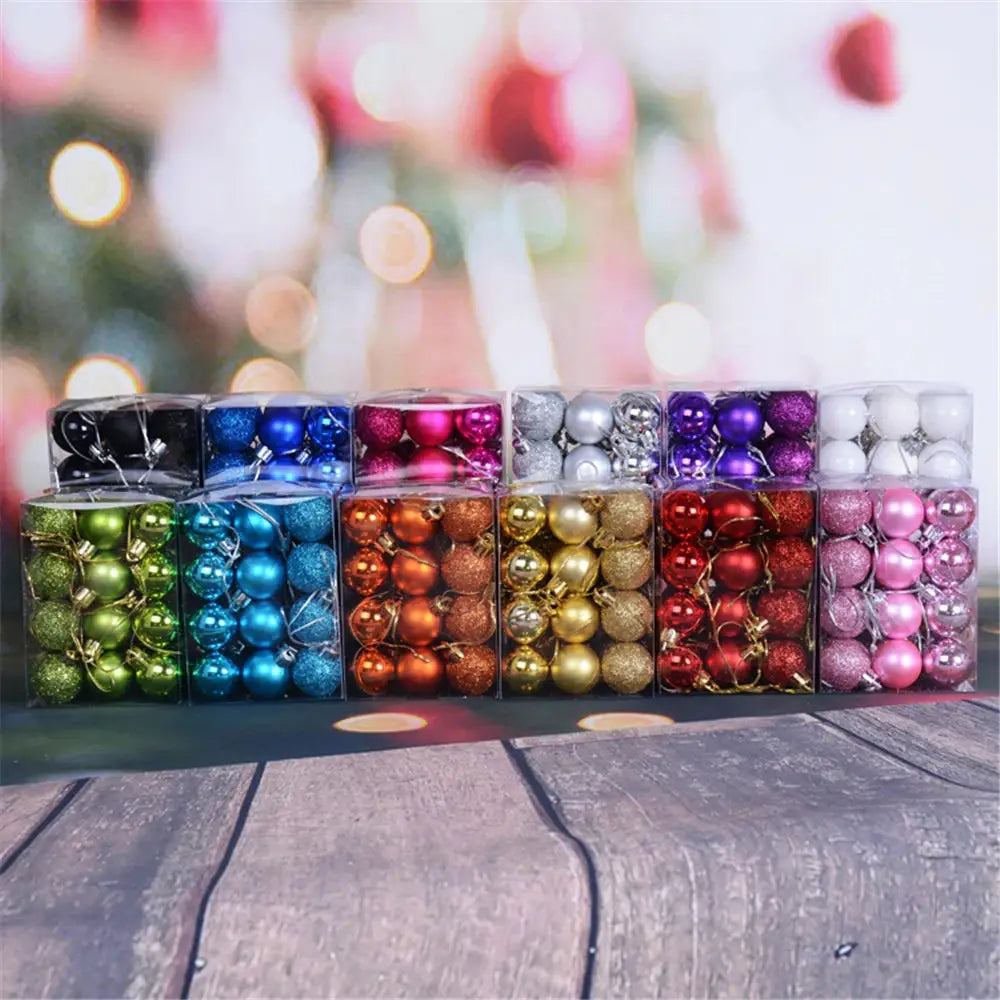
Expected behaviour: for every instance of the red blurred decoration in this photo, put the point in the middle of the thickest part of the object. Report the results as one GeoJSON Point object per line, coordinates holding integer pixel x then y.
{"type": "Point", "coordinates": [863, 60]}
{"type": "Point", "coordinates": [183, 30]}
{"type": "Point", "coordinates": [789, 512]}
{"type": "Point", "coordinates": [730, 611]}
{"type": "Point", "coordinates": [734, 513]}
{"type": "Point", "coordinates": [684, 563]}
{"type": "Point", "coordinates": [681, 613]}
{"type": "Point", "coordinates": [684, 513]}
{"type": "Point", "coordinates": [785, 664]}
{"type": "Point", "coordinates": [726, 664]}
{"type": "Point", "coordinates": [786, 612]}
{"type": "Point", "coordinates": [791, 561]}
{"type": "Point", "coordinates": [738, 568]}
{"type": "Point", "coordinates": [680, 668]}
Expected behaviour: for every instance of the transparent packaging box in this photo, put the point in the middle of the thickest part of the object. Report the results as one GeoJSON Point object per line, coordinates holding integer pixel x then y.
{"type": "Point", "coordinates": [897, 586]}
{"type": "Point", "coordinates": [584, 435]}
{"type": "Point", "coordinates": [737, 574]}
{"type": "Point", "coordinates": [428, 436]}
{"type": "Point", "coordinates": [100, 597]}
{"type": "Point", "coordinates": [576, 605]}
{"type": "Point", "coordinates": [150, 441]}
{"type": "Point", "coordinates": [260, 597]}
{"type": "Point", "coordinates": [896, 429]}
{"type": "Point", "coordinates": [291, 437]}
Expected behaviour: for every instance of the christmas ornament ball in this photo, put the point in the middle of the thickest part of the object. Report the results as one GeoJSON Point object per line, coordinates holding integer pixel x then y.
{"type": "Point", "coordinates": [366, 571]}
{"type": "Point", "coordinates": [575, 620]}
{"type": "Point", "coordinates": [788, 512]}
{"type": "Point", "coordinates": [373, 670]}
{"type": "Point", "coordinates": [473, 672]}
{"type": "Point", "coordinates": [628, 566]}
{"type": "Point", "coordinates": [738, 568]}
{"type": "Point", "coordinates": [537, 461]}
{"type": "Point", "coordinates": [364, 520]}
{"type": "Point", "coordinates": [231, 428]}
{"type": "Point", "coordinates": [205, 524]}
{"type": "Point", "coordinates": [571, 519]}
{"type": "Point", "coordinates": [317, 674]}
{"type": "Point", "coordinates": [45, 519]}
{"type": "Point", "coordinates": [103, 527]}
{"type": "Point", "coordinates": [627, 667]}
{"type": "Point", "coordinates": [575, 567]}
{"type": "Point", "coordinates": [522, 517]}
{"type": "Point", "coordinates": [843, 613]}
{"type": "Point", "coordinates": [260, 574]}
{"type": "Point", "coordinates": [785, 665]}
{"type": "Point", "coordinates": [734, 513]}
{"type": "Point", "coordinates": [153, 523]}
{"type": "Point", "coordinates": [628, 616]}
{"type": "Point", "coordinates": [588, 418]}
{"type": "Point", "coordinates": [311, 566]}
{"type": "Point", "coordinates": [680, 668]}
{"type": "Point", "coordinates": [55, 679]}
{"type": "Point", "coordinates": [155, 574]}
{"type": "Point", "coordinates": [791, 412]}
{"type": "Point", "coordinates": [158, 677]}
{"type": "Point", "coordinates": [412, 522]}
{"type": "Point", "coordinates": [215, 676]}
{"type": "Point", "coordinates": [525, 670]}
{"type": "Point", "coordinates": [680, 613]}
{"type": "Point", "coordinates": [627, 514]}
{"type": "Point", "coordinates": [684, 563]}
{"type": "Point", "coordinates": [310, 520]}
{"type": "Point", "coordinates": [155, 625]}
{"type": "Point", "coordinates": [845, 561]}
{"type": "Point", "coordinates": [791, 561]}
{"type": "Point", "coordinates": [470, 619]}
{"type": "Point", "coordinates": [727, 664]}
{"type": "Point", "coordinates": [415, 570]}
{"type": "Point", "coordinates": [212, 626]}
{"type": "Point", "coordinates": [110, 676]}
{"type": "Point", "coordinates": [575, 668]}
{"type": "Point", "coordinates": [209, 576]}
{"type": "Point", "coordinates": [54, 625]}
{"type": "Point", "coordinates": [261, 624]}
{"type": "Point", "coordinates": [684, 513]}
{"type": "Point", "coordinates": [420, 671]}
{"type": "Point", "coordinates": [110, 626]}
{"type": "Point", "coordinates": [282, 429]}
{"type": "Point", "coordinates": [257, 527]}
{"type": "Point", "coordinates": [370, 620]}
{"type": "Point", "coordinates": [785, 611]}
{"type": "Point", "coordinates": [525, 619]}
{"type": "Point", "coordinates": [537, 416]}
{"type": "Point", "coordinates": [466, 519]}
{"type": "Point", "coordinates": [419, 622]}
{"type": "Point", "coordinates": [523, 567]}
{"type": "Point", "coordinates": [844, 512]}
{"type": "Point", "coordinates": [263, 676]}
{"type": "Point", "coordinates": [843, 664]}
{"type": "Point", "coordinates": [311, 621]}
{"type": "Point", "coordinates": [465, 570]}
{"type": "Point", "coordinates": [50, 574]}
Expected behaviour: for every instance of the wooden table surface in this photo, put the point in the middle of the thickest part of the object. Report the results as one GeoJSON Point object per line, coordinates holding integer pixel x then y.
{"type": "Point", "coordinates": [834, 854]}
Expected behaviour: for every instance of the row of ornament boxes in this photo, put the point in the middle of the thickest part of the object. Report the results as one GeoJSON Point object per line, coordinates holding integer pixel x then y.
{"type": "Point", "coordinates": [529, 435]}
{"type": "Point", "coordinates": [270, 591]}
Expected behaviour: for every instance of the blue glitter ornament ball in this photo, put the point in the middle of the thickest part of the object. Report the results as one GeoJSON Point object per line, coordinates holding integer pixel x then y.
{"type": "Point", "coordinates": [260, 574]}
{"type": "Point", "coordinates": [282, 429]}
{"type": "Point", "coordinates": [212, 626]}
{"type": "Point", "coordinates": [329, 428]}
{"type": "Point", "coordinates": [226, 468]}
{"type": "Point", "coordinates": [310, 520]}
{"type": "Point", "coordinates": [261, 624]}
{"type": "Point", "coordinates": [231, 428]}
{"type": "Point", "coordinates": [205, 524]}
{"type": "Point", "coordinates": [209, 576]}
{"type": "Point", "coordinates": [311, 621]}
{"type": "Point", "coordinates": [317, 674]}
{"type": "Point", "coordinates": [215, 676]}
{"type": "Point", "coordinates": [257, 526]}
{"type": "Point", "coordinates": [330, 469]}
{"type": "Point", "coordinates": [263, 676]}
{"type": "Point", "coordinates": [311, 566]}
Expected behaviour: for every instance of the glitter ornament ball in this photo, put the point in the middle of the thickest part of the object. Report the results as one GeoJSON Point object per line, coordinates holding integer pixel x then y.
{"type": "Point", "coordinates": [311, 566]}
{"type": "Point", "coordinates": [215, 676]}
{"type": "Point", "coordinates": [575, 669]}
{"type": "Point", "coordinates": [466, 519]}
{"type": "Point", "coordinates": [55, 680]}
{"type": "Point", "coordinates": [378, 427]}
{"type": "Point", "coordinates": [384, 466]}
{"type": "Point", "coordinates": [539, 461]}
{"type": "Point", "coordinates": [627, 566]}
{"type": "Point", "coordinates": [897, 664]}
{"type": "Point", "coordinates": [103, 527]}
{"type": "Point", "coordinates": [788, 457]}
{"type": "Point", "coordinates": [785, 611]}
{"type": "Point", "coordinates": [212, 626]}
{"type": "Point", "coordinates": [845, 562]}
{"type": "Point", "coordinates": [257, 528]}
{"type": "Point", "coordinates": [843, 512]}
{"type": "Point", "coordinates": [470, 619]}
{"type": "Point", "coordinates": [420, 671]}
{"type": "Point", "coordinates": [224, 468]}
{"type": "Point", "coordinates": [263, 676]}
{"type": "Point", "coordinates": [627, 667]}
{"type": "Point", "coordinates": [950, 511]}
{"type": "Point", "coordinates": [898, 564]}
{"type": "Point", "coordinates": [50, 574]}
{"type": "Point", "coordinates": [627, 616]}
{"type": "Point", "coordinates": [54, 625]}
{"type": "Point", "coordinates": [473, 672]}
{"type": "Point", "coordinates": [684, 513]}
{"type": "Point", "coordinates": [788, 512]}
{"type": "Point", "coordinates": [366, 571]}
{"type": "Point", "coordinates": [791, 562]}
{"type": "Point", "coordinates": [310, 520]}
{"type": "Point", "coordinates": [464, 570]}
{"type": "Point", "coordinates": [261, 624]}
{"type": "Point", "coordinates": [231, 428]}
{"type": "Point", "coordinates": [843, 664]}
{"type": "Point", "coordinates": [317, 674]}
{"type": "Point", "coordinates": [525, 670]}
{"type": "Point", "coordinates": [790, 413]}
{"type": "Point", "coordinates": [786, 665]}
{"type": "Point", "coordinates": [56, 522]}
{"type": "Point", "coordinates": [538, 416]}
{"type": "Point", "coordinates": [899, 513]}
{"type": "Point", "coordinates": [311, 621]}
{"type": "Point", "coordinates": [949, 562]}
{"type": "Point", "coordinates": [947, 664]}
{"type": "Point", "coordinates": [260, 574]}
{"type": "Point", "coordinates": [627, 514]}
{"type": "Point", "coordinates": [415, 571]}
{"type": "Point", "coordinates": [373, 671]}
{"type": "Point", "coordinates": [843, 614]}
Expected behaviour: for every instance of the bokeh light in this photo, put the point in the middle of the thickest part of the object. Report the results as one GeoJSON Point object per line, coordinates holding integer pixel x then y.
{"type": "Point", "coordinates": [379, 81]}
{"type": "Point", "coordinates": [678, 339]}
{"type": "Point", "coordinates": [604, 722]}
{"type": "Point", "coordinates": [540, 202]}
{"type": "Point", "coordinates": [381, 722]}
{"type": "Point", "coordinates": [395, 244]}
{"type": "Point", "coordinates": [42, 44]}
{"type": "Point", "coordinates": [281, 314]}
{"type": "Point", "coordinates": [265, 375]}
{"type": "Point", "coordinates": [88, 184]}
{"type": "Point", "coordinates": [550, 36]}
{"type": "Point", "coordinates": [30, 473]}
{"type": "Point", "coordinates": [101, 375]}
{"type": "Point", "coordinates": [23, 383]}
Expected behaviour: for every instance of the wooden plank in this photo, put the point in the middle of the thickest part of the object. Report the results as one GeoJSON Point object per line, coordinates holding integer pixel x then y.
{"type": "Point", "coordinates": [407, 873]}
{"type": "Point", "coordinates": [740, 863]}
{"type": "Point", "coordinates": [104, 901]}
{"type": "Point", "coordinates": [990, 702]}
{"type": "Point", "coordinates": [952, 740]}
{"type": "Point", "coordinates": [22, 809]}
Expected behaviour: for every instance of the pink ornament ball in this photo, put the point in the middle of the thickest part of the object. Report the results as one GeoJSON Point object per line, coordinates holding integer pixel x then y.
{"type": "Point", "coordinates": [900, 513]}
{"type": "Point", "coordinates": [429, 428]}
{"type": "Point", "coordinates": [949, 612]}
{"type": "Point", "coordinates": [381, 467]}
{"type": "Point", "coordinates": [947, 664]}
{"type": "Point", "coordinates": [898, 565]}
{"type": "Point", "coordinates": [897, 664]}
{"type": "Point", "coordinates": [843, 614]}
{"type": "Point", "coordinates": [843, 512]}
{"type": "Point", "coordinates": [899, 615]}
{"type": "Point", "coordinates": [951, 511]}
{"type": "Point", "coordinates": [845, 562]}
{"type": "Point", "coordinates": [479, 424]}
{"type": "Point", "coordinates": [431, 465]}
{"type": "Point", "coordinates": [481, 462]}
{"type": "Point", "coordinates": [378, 427]}
{"type": "Point", "coordinates": [949, 562]}
{"type": "Point", "coordinates": [843, 664]}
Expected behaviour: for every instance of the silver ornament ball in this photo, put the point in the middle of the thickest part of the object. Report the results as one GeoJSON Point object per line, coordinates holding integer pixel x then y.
{"type": "Point", "coordinates": [586, 464]}
{"type": "Point", "coordinates": [537, 461]}
{"type": "Point", "coordinates": [636, 414]}
{"type": "Point", "coordinates": [537, 416]}
{"type": "Point", "coordinates": [588, 418]}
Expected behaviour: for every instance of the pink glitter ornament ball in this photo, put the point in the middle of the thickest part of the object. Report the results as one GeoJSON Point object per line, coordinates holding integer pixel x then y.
{"type": "Point", "coordinates": [897, 664]}
{"type": "Point", "coordinates": [843, 512]}
{"type": "Point", "coordinates": [384, 466]}
{"type": "Point", "coordinates": [947, 664]}
{"type": "Point", "coordinates": [431, 465]}
{"type": "Point", "coordinates": [898, 565]}
{"type": "Point", "coordinates": [843, 614]}
{"type": "Point", "coordinates": [429, 427]}
{"type": "Point", "coordinates": [845, 562]}
{"type": "Point", "coordinates": [479, 424]}
{"type": "Point", "coordinates": [378, 427]}
{"type": "Point", "coordinates": [843, 664]}
{"type": "Point", "coordinates": [949, 562]}
{"type": "Point", "coordinates": [899, 615]}
{"type": "Point", "coordinates": [900, 513]}
{"type": "Point", "coordinates": [951, 511]}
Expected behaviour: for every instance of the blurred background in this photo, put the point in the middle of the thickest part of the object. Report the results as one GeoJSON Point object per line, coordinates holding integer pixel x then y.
{"type": "Point", "coordinates": [202, 196]}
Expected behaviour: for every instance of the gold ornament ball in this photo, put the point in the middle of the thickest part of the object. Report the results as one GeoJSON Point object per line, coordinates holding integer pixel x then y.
{"type": "Point", "coordinates": [525, 619]}
{"type": "Point", "coordinates": [575, 668]}
{"type": "Point", "coordinates": [627, 567]}
{"type": "Point", "coordinates": [524, 568]}
{"type": "Point", "coordinates": [628, 616]}
{"type": "Point", "coordinates": [627, 514]}
{"type": "Point", "coordinates": [524, 671]}
{"type": "Point", "coordinates": [570, 520]}
{"type": "Point", "coordinates": [576, 620]}
{"type": "Point", "coordinates": [522, 517]}
{"type": "Point", "coordinates": [627, 667]}
{"type": "Point", "coordinates": [576, 566]}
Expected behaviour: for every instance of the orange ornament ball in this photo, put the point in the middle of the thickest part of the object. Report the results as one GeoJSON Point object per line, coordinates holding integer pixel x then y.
{"type": "Point", "coordinates": [466, 571]}
{"type": "Point", "coordinates": [373, 671]}
{"type": "Point", "coordinates": [415, 571]}
{"type": "Point", "coordinates": [370, 621]}
{"type": "Point", "coordinates": [412, 521]}
{"type": "Point", "coordinates": [465, 520]}
{"type": "Point", "coordinates": [364, 520]}
{"type": "Point", "coordinates": [471, 618]}
{"type": "Point", "coordinates": [474, 672]}
{"type": "Point", "coordinates": [419, 624]}
{"type": "Point", "coordinates": [420, 671]}
{"type": "Point", "coordinates": [366, 571]}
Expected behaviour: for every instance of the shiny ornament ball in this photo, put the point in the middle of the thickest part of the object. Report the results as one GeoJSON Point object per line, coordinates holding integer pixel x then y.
{"type": "Point", "coordinates": [680, 668]}
{"type": "Point", "coordinates": [790, 413]}
{"type": "Point", "coordinates": [575, 567]}
{"type": "Point", "coordinates": [899, 615]}
{"type": "Point", "coordinates": [898, 564]}
{"type": "Point", "coordinates": [949, 612]}
{"type": "Point", "coordinates": [212, 626]}
{"type": "Point", "coordinates": [943, 460]}
{"type": "Point", "coordinates": [316, 674]}
{"type": "Point", "coordinates": [889, 459]}
{"type": "Point", "coordinates": [465, 570]}
{"type": "Point", "coordinates": [680, 613]}
{"type": "Point", "coordinates": [214, 676]}
{"type": "Point", "coordinates": [684, 513]}
{"type": "Point", "coordinates": [845, 562]}
{"type": "Point", "coordinates": [525, 619]}
{"type": "Point", "coordinates": [739, 419]}
{"type": "Point", "coordinates": [734, 513]}
{"type": "Point", "coordinates": [110, 626]}
{"type": "Point", "coordinates": [843, 614]}
{"type": "Point", "coordinates": [842, 458]}
{"type": "Point", "coordinates": [727, 665]}
{"type": "Point", "coordinates": [419, 623]}
{"type": "Point", "coordinates": [45, 520]}
{"type": "Point", "coordinates": [263, 676]}
{"type": "Point", "coordinates": [311, 621]}
{"type": "Point", "coordinates": [730, 612]}
{"type": "Point", "coordinates": [366, 571]}
{"type": "Point", "coordinates": [843, 664]}
{"type": "Point", "coordinates": [205, 524]}
{"type": "Point", "coordinates": [480, 462]}
{"type": "Point", "coordinates": [256, 527]}
{"type": "Point", "coordinates": [738, 568]}
{"type": "Point", "coordinates": [431, 465]}
{"type": "Point", "coordinates": [786, 665]}
{"type": "Point", "coordinates": [156, 625]}
{"type": "Point", "coordinates": [381, 467]}
{"type": "Point", "coordinates": [231, 428]}
{"type": "Point", "coordinates": [627, 616]}
{"type": "Point", "coordinates": [429, 427]}
{"type": "Point", "coordinates": [788, 512]}
{"type": "Point", "coordinates": [785, 611]}
{"type": "Point", "coordinates": [690, 415]}
{"type": "Point", "coordinates": [75, 471]}
{"type": "Point", "coordinates": [899, 513]}
{"type": "Point", "coordinates": [54, 679]}
{"type": "Point", "coordinates": [949, 663]}
{"type": "Point", "coordinates": [328, 427]}
{"type": "Point", "coordinates": [76, 431]}
{"type": "Point", "coordinates": [420, 671]}
{"type": "Point", "coordinates": [364, 520]}
{"type": "Point", "coordinates": [55, 624]}
{"type": "Point", "coordinates": [627, 667]}
{"type": "Point", "coordinates": [412, 521]}
{"type": "Point", "coordinates": [571, 519]}
{"type": "Point", "coordinates": [155, 574]}
{"type": "Point", "coordinates": [51, 574]}
{"type": "Point", "coordinates": [537, 461]}
{"type": "Point", "coordinates": [470, 619]}
{"type": "Point", "coordinates": [843, 512]}
{"type": "Point", "coordinates": [326, 467]}
{"type": "Point", "coordinates": [466, 519]}
{"type": "Point", "coordinates": [586, 463]}
{"type": "Point", "coordinates": [282, 429]}
{"type": "Point", "coordinates": [949, 562]}
{"type": "Point", "coordinates": [261, 624]}
{"type": "Point", "coordinates": [736, 463]}
{"type": "Point", "coordinates": [110, 676]}
{"type": "Point", "coordinates": [159, 677]}
{"type": "Point", "coordinates": [588, 418]}
{"type": "Point", "coordinates": [310, 520]}
{"type": "Point", "coordinates": [524, 671]}
{"type": "Point", "coordinates": [842, 416]}
{"type": "Point", "coordinates": [893, 412]}
{"type": "Point", "coordinates": [537, 416]}
{"type": "Point", "coordinates": [575, 669]}
{"type": "Point", "coordinates": [627, 566]}
{"type": "Point", "coordinates": [153, 523]}
{"type": "Point", "coordinates": [523, 568]}
{"type": "Point", "coordinates": [373, 671]}
{"type": "Point", "coordinates": [636, 414]}
{"type": "Point", "coordinates": [311, 566]}
{"type": "Point", "coordinates": [788, 457]}
{"type": "Point", "coordinates": [945, 415]}
{"type": "Point", "coordinates": [522, 517]}
{"type": "Point", "coordinates": [209, 576]}
{"type": "Point", "coordinates": [576, 619]}
{"type": "Point", "coordinates": [950, 511]}
{"type": "Point", "coordinates": [691, 459]}
{"type": "Point", "coordinates": [415, 571]}
{"type": "Point", "coordinates": [260, 574]}
{"type": "Point", "coordinates": [473, 672]}
{"type": "Point", "coordinates": [370, 621]}
{"type": "Point", "coordinates": [627, 514]}
{"type": "Point", "coordinates": [791, 561]}
{"type": "Point", "coordinates": [103, 527]}
{"type": "Point", "coordinates": [284, 469]}
{"type": "Point", "coordinates": [479, 424]}
{"type": "Point", "coordinates": [684, 564]}
{"type": "Point", "coordinates": [897, 664]}
{"type": "Point", "coordinates": [378, 427]}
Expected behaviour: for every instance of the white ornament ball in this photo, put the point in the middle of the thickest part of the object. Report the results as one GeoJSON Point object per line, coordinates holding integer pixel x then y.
{"type": "Point", "coordinates": [945, 415]}
{"type": "Point", "coordinates": [889, 459]}
{"type": "Point", "coordinates": [944, 460]}
{"type": "Point", "coordinates": [842, 458]}
{"type": "Point", "coordinates": [894, 412]}
{"type": "Point", "coordinates": [588, 418]}
{"type": "Point", "coordinates": [586, 464]}
{"type": "Point", "coordinates": [842, 417]}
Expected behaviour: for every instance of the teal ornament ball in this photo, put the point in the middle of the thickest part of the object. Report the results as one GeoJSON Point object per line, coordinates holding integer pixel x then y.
{"type": "Point", "coordinates": [257, 527]}
{"type": "Point", "coordinates": [54, 625]}
{"type": "Point", "coordinates": [263, 676]}
{"type": "Point", "coordinates": [215, 676]}
{"type": "Point", "coordinates": [311, 621]}
{"type": "Point", "coordinates": [55, 679]}
{"type": "Point", "coordinates": [310, 520]}
{"type": "Point", "coordinates": [260, 574]}
{"type": "Point", "coordinates": [45, 519]}
{"type": "Point", "coordinates": [205, 524]}
{"type": "Point", "coordinates": [159, 677]}
{"type": "Point", "coordinates": [261, 624]}
{"type": "Point", "coordinates": [107, 576]}
{"type": "Point", "coordinates": [155, 574]}
{"type": "Point", "coordinates": [103, 527]}
{"type": "Point", "coordinates": [109, 675]}
{"type": "Point", "coordinates": [311, 566]}
{"type": "Point", "coordinates": [317, 674]}
{"type": "Point", "coordinates": [51, 574]}
{"type": "Point", "coordinates": [212, 626]}
{"type": "Point", "coordinates": [209, 576]}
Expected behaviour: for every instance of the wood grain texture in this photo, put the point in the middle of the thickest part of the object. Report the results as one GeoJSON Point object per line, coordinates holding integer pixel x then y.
{"type": "Point", "coordinates": [952, 740]}
{"type": "Point", "coordinates": [408, 873]}
{"type": "Point", "coordinates": [990, 702]}
{"type": "Point", "coordinates": [103, 903]}
{"type": "Point", "coordinates": [22, 808]}
{"type": "Point", "coordinates": [734, 863]}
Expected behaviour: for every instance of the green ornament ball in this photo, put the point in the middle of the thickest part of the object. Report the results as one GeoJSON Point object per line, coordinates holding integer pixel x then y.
{"type": "Point", "coordinates": [51, 574]}
{"type": "Point", "coordinates": [153, 523]}
{"type": "Point", "coordinates": [107, 576]}
{"type": "Point", "coordinates": [55, 679]}
{"type": "Point", "coordinates": [46, 519]}
{"type": "Point", "coordinates": [110, 676]}
{"type": "Point", "coordinates": [110, 626]}
{"type": "Point", "coordinates": [156, 625]}
{"type": "Point", "coordinates": [159, 677]}
{"type": "Point", "coordinates": [54, 625]}
{"type": "Point", "coordinates": [103, 527]}
{"type": "Point", "coordinates": [156, 574]}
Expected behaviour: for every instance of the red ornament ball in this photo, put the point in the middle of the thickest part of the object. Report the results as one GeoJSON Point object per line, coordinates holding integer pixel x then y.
{"type": "Point", "coordinates": [792, 561]}
{"type": "Point", "coordinates": [863, 60]}
{"type": "Point", "coordinates": [734, 513]}
{"type": "Point", "coordinates": [738, 568]}
{"type": "Point", "coordinates": [727, 665]}
{"type": "Point", "coordinates": [684, 563]}
{"type": "Point", "coordinates": [785, 611]}
{"type": "Point", "coordinates": [785, 665]}
{"type": "Point", "coordinates": [680, 668]}
{"type": "Point", "coordinates": [789, 512]}
{"type": "Point", "coordinates": [684, 513]}
{"type": "Point", "coordinates": [730, 611]}
{"type": "Point", "coordinates": [681, 613]}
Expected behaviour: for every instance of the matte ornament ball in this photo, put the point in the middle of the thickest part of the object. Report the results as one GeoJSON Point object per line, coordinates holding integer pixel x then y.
{"type": "Point", "coordinates": [950, 511]}
{"type": "Point", "coordinates": [215, 677]}
{"type": "Point", "coordinates": [256, 527]}
{"type": "Point", "coordinates": [56, 522]}
{"type": "Point", "coordinates": [311, 621]}
{"type": "Point", "coordinates": [317, 674]}
{"type": "Point", "coordinates": [736, 463]}
{"type": "Point", "coordinates": [419, 623]}
{"type": "Point", "coordinates": [50, 574]}
{"type": "Point", "coordinates": [429, 427]}
{"type": "Point", "coordinates": [262, 625]}
{"type": "Point", "coordinates": [690, 415]}
{"type": "Point", "coordinates": [738, 568]}
{"type": "Point", "coordinates": [282, 429]}
{"type": "Point", "coordinates": [524, 671]}
{"type": "Point", "coordinates": [260, 575]}
{"type": "Point", "coordinates": [56, 680]}
{"type": "Point", "coordinates": [948, 664]}
{"type": "Point", "coordinates": [110, 676]}
{"type": "Point", "coordinates": [684, 564]}
{"type": "Point", "coordinates": [378, 427]}
{"type": "Point", "coordinates": [739, 419]}
{"type": "Point", "coordinates": [205, 524]}
{"type": "Point", "coordinates": [366, 571]}
{"type": "Point", "coordinates": [420, 671]}
{"type": "Point", "coordinates": [231, 428]}
{"type": "Point", "coordinates": [734, 513]}
{"type": "Point", "coordinates": [575, 669]}
{"type": "Point", "coordinates": [897, 664]}
{"type": "Point", "coordinates": [153, 523]}
{"type": "Point", "coordinates": [949, 562]}
{"type": "Point", "coordinates": [588, 418]}
{"type": "Point", "coordinates": [575, 568]}
{"type": "Point", "coordinates": [727, 665]}
{"type": "Point", "coordinates": [899, 513]}
{"type": "Point", "coordinates": [110, 626]}
{"type": "Point", "coordinates": [843, 664]}
{"type": "Point", "coordinates": [730, 612]}
{"type": "Point", "coordinates": [575, 620]}
{"type": "Point", "coordinates": [842, 458]}
{"type": "Point", "coordinates": [212, 626]}
{"type": "Point", "coordinates": [107, 576]}
{"type": "Point", "coordinates": [415, 571]}
{"type": "Point", "coordinates": [209, 576]}
{"type": "Point", "coordinates": [899, 615]}
{"type": "Point", "coordinates": [431, 465]}
{"type": "Point", "coordinates": [412, 521]}
{"type": "Point", "coordinates": [311, 566]}
{"type": "Point", "coordinates": [264, 677]}
{"type": "Point", "coordinates": [844, 512]}
{"type": "Point", "coordinates": [627, 667]}
{"type": "Point", "coordinates": [155, 574]}
{"type": "Point", "coordinates": [790, 413]}
{"type": "Point", "coordinates": [586, 463]}
{"type": "Point", "coordinates": [156, 625]}
{"type": "Point", "coordinates": [373, 671]}
{"type": "Point", "coordinates": [473, 672]}
{"type": "Point", "coordinates": [103, 527]}
{"type": "Point", "coordinates": [571, 519]}
{"type": "Point", "coordinates": [538, 416]}
{"type": "Point", "coordinates": [899, 564]}
{"type": "Point", "coordinates": [76, 471]}
{"type": "Point", "coordinates": [54, 625]}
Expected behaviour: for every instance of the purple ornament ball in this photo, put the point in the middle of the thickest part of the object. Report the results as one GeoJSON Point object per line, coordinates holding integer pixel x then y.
{"type": "Point", "coordinates": [378, 427]}
{"type": "Point", "coordinates": [738, 463]}
{"type": "Point", "coordinates": [740, 419]}
{"type": "Point", "coordinates": [947, 664]}
{"type": "Point", "coordinates": [843, 614]}
{"type": "Point", "coordinates": [788, 457]}
{"type": "Point", "coordinates": [843, 664]}
{"type": "Point", "coordinates": [791, 413]}
{"type": "Point", "coordinates": [479, 424]}
{"type": "Point", "coordinates": [845, 562]}
{"type": "Point", "coordinates": [689, 415]}
{"type": "Point", "coordinates": [844, 512]}
{"type": "Point", "coordinates": [691, 459]}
